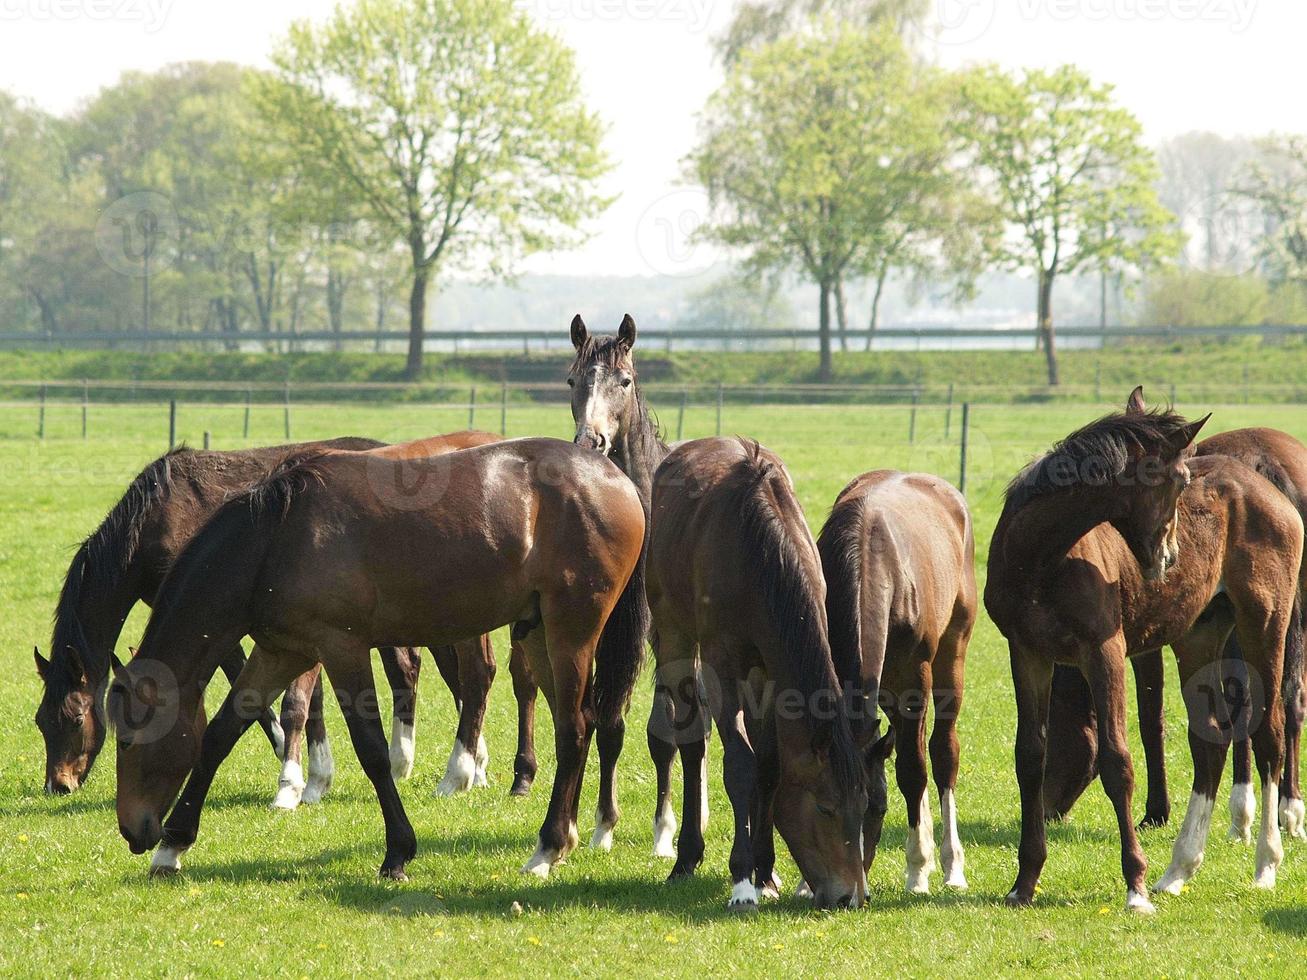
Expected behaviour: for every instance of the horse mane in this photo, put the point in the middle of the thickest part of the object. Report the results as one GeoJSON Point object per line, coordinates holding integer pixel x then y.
{"type": "Point", "coordinates": [763, 499]}
{"type": "Point", "coordinates": [841, 540]}
{"type": "Point", "coordinates": [273, 495]}
{"type": "Point", "coordinates": [1094, 455]}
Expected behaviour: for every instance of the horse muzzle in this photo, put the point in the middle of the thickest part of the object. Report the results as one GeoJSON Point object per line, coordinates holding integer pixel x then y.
{"type": "Point", "coordinates": [144, 836]}
{"type": "Point", "coordinates": [590, 439]}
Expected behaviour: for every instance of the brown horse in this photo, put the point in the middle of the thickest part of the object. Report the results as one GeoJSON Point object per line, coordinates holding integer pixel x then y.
{"type": "Point", "coordinates": [1113, 544]}
{"type": "Point", "coordinates": [1072, 758]}
{"type": "Point", "coordinates": [898, 554]}
{"type": "Point", "coordinates": [122, 563]}
{"type": "Point", "coordinates": [349, 550]}
{"type": "Point", "coordinates": [735, 579]}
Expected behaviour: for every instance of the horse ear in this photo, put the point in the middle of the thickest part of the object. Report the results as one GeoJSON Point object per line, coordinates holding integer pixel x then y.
{"type": "Point", "coordinates": [1185, 438]}
{"type": "Point", "coordinates": [579, 333]}
{"type": "Point", "coordinates": [626, 332]}
{"type": "Point", "coordinates": [75, 662]}
{"type": "Point", "coordinates": [42, 665]}
{"type": "Point", "coordinates": [1134, 405]}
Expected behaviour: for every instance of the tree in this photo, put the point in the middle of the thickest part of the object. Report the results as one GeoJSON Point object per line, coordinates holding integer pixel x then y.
{"type": "Point", "coordinates": [1074, 180]}
{"type": "Point", "coordinates": [1198, 172]}
{"type": "Point", "coordinates": [814, 147]}
{"type": "Point", "coordinates": [1277, 184]}
{"type": "Point", "coordinates": [458, 125]}
{"type": "Point", "coordinates": [759, 22]}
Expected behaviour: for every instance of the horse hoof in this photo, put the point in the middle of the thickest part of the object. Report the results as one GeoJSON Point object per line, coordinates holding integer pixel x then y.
{"type": "Point", "coordinates": [803, 891]}
{"type": "Point", "coordinates": [602, 840]}
{"type": "Point", "coordinates": [1293, 817]}
{"type": "Point", "coordinates": [166, 862]}
{"type": "Point", "coordinates": [956, 880]}
{"type": "Point", "coordinates": [1153, 821]}
{"type": "Point", "coordinates": [664, 835]}
{"type": "Point", "coordinates": [1137, 902]}
{"type": "Point", "coordinates": [1016, 900]}
{"type": "Point", "coordinates": [744, 898]}
{"type": "Point", "coordinates": [521, 786]}
{"type": "Point", "coordinates": [680, 873]}
{"type": "Point", "coordinates": [1171, 883]}
{"type": "Point", "coordinates": [393, 874]}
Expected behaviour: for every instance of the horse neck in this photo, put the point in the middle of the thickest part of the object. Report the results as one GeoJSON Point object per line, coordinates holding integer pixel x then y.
{"type": "Point", "coordinates": [639, 450]}
{"type": "Point", "coordinates": [1043, 530]}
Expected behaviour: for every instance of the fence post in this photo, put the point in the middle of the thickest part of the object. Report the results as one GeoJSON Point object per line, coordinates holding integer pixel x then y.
{"type": "Point", "coordinates": [948, 412]}
{"type": "Point", "coordinates": [719, 408]}
{"type": "Point", "coordinates": [503, 410]}
{"type": "Point", "coordinates": [86, 400]}
{"type": "Point", "coordinates": [245, 429]}
{"type": "Point", "coordinates": [1172, 392]}
{"type": "Point", "coordinates": [1098, 382]}
{"type": "Point", "coordinates": [680, 416]}
{"type": "Point", "coordinates": [40, 418]}
{"type": "Point", "coordinates": [1245, 384]}
{"type": "Point", "coordinates": [206, 440]}
{"type": "Point", "coordinates": [912, 419]}
{"type": "Point", "coordinates": [472, 409]}
{"type": "Point", "coordinates": [286, 407]}
{"type": "Point", "coordinates": [962, 467]}
{"type": "Point", "coordinates": [172, 422]}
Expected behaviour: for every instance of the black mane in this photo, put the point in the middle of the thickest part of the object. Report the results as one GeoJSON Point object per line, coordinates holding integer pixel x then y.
{"type": "Point", "coordinates": [1095, 455]}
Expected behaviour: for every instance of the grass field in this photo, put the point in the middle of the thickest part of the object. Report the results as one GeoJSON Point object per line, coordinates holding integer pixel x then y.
{"type": "Point", "coordinates": [296, 894]}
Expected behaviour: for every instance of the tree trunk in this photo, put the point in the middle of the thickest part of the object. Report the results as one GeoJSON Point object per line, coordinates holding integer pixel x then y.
{"type": "Point", "coordinates": [417, 317]}
{"type": "Point", "coordinates": [824, 368]}
{"type": "Point", "coordinates": [1046, 323]}
{"type": "Point", "coordinates": [840, 315]}
{"type": "Point", "coordinates": [874, 320]}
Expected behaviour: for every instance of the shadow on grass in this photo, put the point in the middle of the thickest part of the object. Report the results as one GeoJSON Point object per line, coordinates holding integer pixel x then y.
{"type": "Point", "coordinates": [1291, 921]}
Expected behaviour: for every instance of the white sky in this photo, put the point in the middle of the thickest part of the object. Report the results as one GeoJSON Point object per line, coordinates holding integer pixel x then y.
{"type": "Point", "coordinates": [1231, 66]}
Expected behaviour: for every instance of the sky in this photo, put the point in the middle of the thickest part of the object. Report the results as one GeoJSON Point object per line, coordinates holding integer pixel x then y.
{"type": "Point", "coordinates": [1230, 66]}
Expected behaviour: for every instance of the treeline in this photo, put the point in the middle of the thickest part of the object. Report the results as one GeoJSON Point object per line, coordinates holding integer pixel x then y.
{"type": "Point", "coordinates": [401, 140]}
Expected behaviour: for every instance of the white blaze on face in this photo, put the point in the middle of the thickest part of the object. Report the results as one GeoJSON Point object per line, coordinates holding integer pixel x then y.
{"type": "Point", "coordinates": [597, 418]}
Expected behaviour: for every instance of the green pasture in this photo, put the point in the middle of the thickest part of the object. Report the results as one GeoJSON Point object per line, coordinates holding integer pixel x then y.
{"type": "Point", "coordinates": [271, 893]}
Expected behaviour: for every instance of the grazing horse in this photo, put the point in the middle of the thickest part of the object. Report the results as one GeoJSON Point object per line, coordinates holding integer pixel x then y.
{"type": "Point", "coordinates": [1072, 762]}
{"type": "Point", "coordinates": [898, 554]}
{"type": "Point", "coordinates": [345, 551]}
{"type": "Point", "coordinates": [735, 581]}
{"type": "Point", "coordinates": [1113, 544]}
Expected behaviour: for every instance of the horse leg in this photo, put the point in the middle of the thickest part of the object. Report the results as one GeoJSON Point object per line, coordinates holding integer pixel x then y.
{"type": "Point", "coordinates": [476, 672]}
{"type": "Point", "coordinates": [1032, 678]}
{"type": "Point", "coordinates": [910, 772]}
{"type": "Point", "coordinates": [1150, 680]}
{"type": "Point", "coordinates": [1263, 644]}
{"type": "Point", "coordinates": [662, 750]}
{"type": "Point", "coordinates": [607, 812]}
{"type": "Point", "coordinates": [569, 659]}
{"type": "Point", "coordinates": [946, 693]}
{"type": "Point", "coordinates": [263, 678]}
{"type": "Point", "coordinates": [402, 666]}
{"type": "Point", "coordinates": [1293, 814]}
{"type": "Point", "coordinates": [766, 752]}
{"type": "Point", "coordinates": [677, 722]}
{"type": "Point", "coordinates": [740, 772]}
{"type": "Point", "coordinates": [1105, 671]}
{"type": "Point", "coordinates": [1072, 763]}
{"type": "Point", "coordinates": [294, 717]}
{"type": "Point", "coordinates": [1210, 730]}
{"type": "Point", "coordinates": [232, 663]}
{"type": "Point", "coordinates": [322, 767]}
{"type": "Point", "coordinates": [524, 693]}
{"type": "Point", "coordinates": [1243, 802]}
{"type": "Point", "coordinates": [350, 671]}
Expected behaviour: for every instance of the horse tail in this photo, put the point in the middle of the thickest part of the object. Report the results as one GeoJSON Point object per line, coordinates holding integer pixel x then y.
{"type": "Point", "coordinates": [1295, 659]}
{"type": "Point", "coordinates": [620, 654]}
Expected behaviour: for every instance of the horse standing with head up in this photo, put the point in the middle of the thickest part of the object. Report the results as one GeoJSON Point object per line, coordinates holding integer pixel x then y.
{"type": "Point", "coordinates": [734, 581]}
{"type": "Point", "coordinates": [345, 551]}
{"type": "Point", "coordinates": [898, 554]}
{"type": "Point", "coordinates": [1118, 542]}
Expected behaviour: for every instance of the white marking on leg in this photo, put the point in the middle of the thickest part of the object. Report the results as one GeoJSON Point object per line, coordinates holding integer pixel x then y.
{"type": "Point", "coordinates": [401, 749]}
{"type": "Point", "coordinates": [322, 769]}
{"type": "Point", "coordinates": [1243, 807]}
{"type": "Point", "coordinates": [278, 741]}
{"type": "Point", "coordinates": [951, 856]}
{"type": "Point", "coordinates": [1187, 854]}
{"type": "Point", "coordinates": [542, 861]}
{"type": "Point", "coordinates": [703, 795]}
{"type": "Point", "coordinates": [744, 897]}
{"type": "Point", "coordinates": [803, 891]}
{"type": "Point", "coordinates": [603, 835]}
{"type": "Point", "coordinates": [771, 888]}
{"type": "Point", "coordinates": [921, 850]}
{"type": "Point", "coordinates": [290, 786]}
{"type": "Point", "coordinates": [1293, 818]}
{"type": "Point", "coordinates": [1270, 852]}
{"type": "Point", "coordinates": [1138, 903]}
{"type": "Point", "coordinates": [573, 838]}
{"type": "Point", "coordinates": [166, 861]}
{"type": "Point", "coordinates": [664, 830]}
{"type": "Point", "coordinates": [460, 772]}
{"type": "Point", "coordinates": [483, 761]}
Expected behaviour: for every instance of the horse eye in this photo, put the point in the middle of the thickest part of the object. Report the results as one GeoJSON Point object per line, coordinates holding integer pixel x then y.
{"type": "Point", "coordinates": [825, 811]}
{"type": "Point", "coordinates": [571, 382]}
{"type": "Point", "coordinates": [626, 382]}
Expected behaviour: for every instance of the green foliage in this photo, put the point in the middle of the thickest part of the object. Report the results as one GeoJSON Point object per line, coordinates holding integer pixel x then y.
{"type": "Point", "coordinates": [1277, 184]}
{"type": "Point", "coordinates": [1184, 298]}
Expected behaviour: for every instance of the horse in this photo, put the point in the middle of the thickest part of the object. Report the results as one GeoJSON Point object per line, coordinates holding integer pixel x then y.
{"type": "Point", "coordinates": [1072, 762]}
{"type": "Point", "coordinates": [1119, 541]}
{"type": "Point", "coordinates": [347, 550]}
{"type": "Point", "coordinates": [612, 417]}
{"type": "Point", "coordinates": [124, 560]}
{"type": "Point", "coordinates": [898, 555]}
{"type": "Point", "coordinates": [734, 580]}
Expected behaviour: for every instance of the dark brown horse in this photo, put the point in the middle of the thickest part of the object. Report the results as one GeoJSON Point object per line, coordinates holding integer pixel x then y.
{"type": "Point", "coordinates": [898, 554]}
{"type": "Point", "coordinates": [1113, 544]}
{"type": "Point", "coordinates": [347, 551]}
{"type": "Point", "coordinates": [1072, 758]}
{"type": "Point", "coordinates": [735, 582]}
